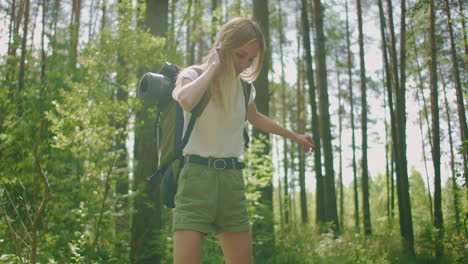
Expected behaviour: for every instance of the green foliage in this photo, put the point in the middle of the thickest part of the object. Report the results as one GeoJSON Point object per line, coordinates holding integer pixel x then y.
{"type": "Point", "coordinates": [303, 245]}
{"type": "Point", "coordinates": [84, 124]}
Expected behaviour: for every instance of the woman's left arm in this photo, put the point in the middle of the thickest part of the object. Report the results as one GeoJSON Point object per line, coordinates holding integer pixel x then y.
{"type": "Point", "coordinates": [268, 125]}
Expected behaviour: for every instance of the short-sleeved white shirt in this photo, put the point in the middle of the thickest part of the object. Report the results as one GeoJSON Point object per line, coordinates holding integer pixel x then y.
{"type": "Point", "coordinates": [216, 133]}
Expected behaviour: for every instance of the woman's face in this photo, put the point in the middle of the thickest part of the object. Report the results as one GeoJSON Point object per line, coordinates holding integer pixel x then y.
{"type": "Point", "coordinates": [245, 55]}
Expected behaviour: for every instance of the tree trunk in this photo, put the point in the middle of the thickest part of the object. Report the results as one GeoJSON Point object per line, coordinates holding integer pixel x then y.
{"type": "Point", "coordinates": [438, 218]}
{"type": "Point", "coordinates": [39, 214]}
{"type": "Point", "coordinates": [198, 38]}
{"type": "Point", "coordinates": [424, 156]}
{"type": "Point", "coordinates": [404, 203]}
{"type": "Point", "coordinates": [464, 33]}
{"type": "Point", "coordinates": [340, 148]}
{"type": "Point", "coordinates": [189, 35]}
{"type": "Point", "coordinates": [22, 72]}
{"type": "Point", "coordinates": [458, 89]}
{"type": "Point", "coordinates": [104, 15]}
{"type": "Point", "coordinates": [357, 224]}
{"type": "Point", "coordinates": [215, 14]}
{"type": "Point", "coordinates": [301, 129]}
{"type": "Point", "coordinates": [388, 82]}
{"type": "Point", "coordinates": [387, 158]}
{"type": "Point", "coordinates": [146, 222]}
{"type": "Point", "coordinates": [15, 22]}
{"type": "Point", "coordinates": [74, 32]}
{"type": "Point", "coordinates": [265, 248]}
{"type": "Point", "coordinates": [320, 197]}
{"type": "Point", "coordinates": [423, 114]}
{"type": "Point", "coordinates": [455, 189]}
{"type": "Point", "coordinates": [364, 166]}
{"type": "Point", "coordinates": [331, 214]}
{"type": "Point", "coordinates": [287, 200]}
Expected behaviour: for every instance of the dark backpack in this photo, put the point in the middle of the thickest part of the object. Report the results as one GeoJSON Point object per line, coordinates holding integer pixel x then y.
{"type": "Point", "coordinates": [158, 88]}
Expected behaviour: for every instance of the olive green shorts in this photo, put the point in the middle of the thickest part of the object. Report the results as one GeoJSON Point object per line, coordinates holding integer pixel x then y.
{"type": "Point", "coordinates": [210, 200]}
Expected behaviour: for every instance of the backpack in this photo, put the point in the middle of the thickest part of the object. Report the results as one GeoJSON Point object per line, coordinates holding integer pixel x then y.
{"type": "Point", "coordinates": [158, 88]}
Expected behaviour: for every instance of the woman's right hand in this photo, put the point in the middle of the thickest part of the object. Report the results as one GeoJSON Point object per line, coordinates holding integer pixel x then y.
{"type": "Point", "coordinates": [214, 62]}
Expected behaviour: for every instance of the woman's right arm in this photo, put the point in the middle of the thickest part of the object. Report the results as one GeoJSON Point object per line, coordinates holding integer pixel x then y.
{"type": "Point", "coordinates": [188, 93]}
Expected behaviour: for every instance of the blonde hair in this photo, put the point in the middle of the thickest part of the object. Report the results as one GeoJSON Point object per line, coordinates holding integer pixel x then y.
{"type": "Point", "coordinates": [234, 34]}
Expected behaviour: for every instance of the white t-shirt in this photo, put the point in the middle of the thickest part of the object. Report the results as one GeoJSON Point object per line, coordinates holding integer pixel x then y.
{"type": "Point", "coordinates": [215, 133]}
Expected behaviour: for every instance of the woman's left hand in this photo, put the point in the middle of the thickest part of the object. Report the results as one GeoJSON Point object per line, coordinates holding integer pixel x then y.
{"type": "Point", "coordinates": [307, 142]}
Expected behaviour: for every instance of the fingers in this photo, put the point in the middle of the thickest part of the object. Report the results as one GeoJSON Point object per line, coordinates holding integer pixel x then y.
{"type": "Point", "coordinates": [308, 144]}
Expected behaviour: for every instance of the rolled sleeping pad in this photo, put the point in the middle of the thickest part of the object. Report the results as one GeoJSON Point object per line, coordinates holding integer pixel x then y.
{"type": "Point", "coordinates": [155, 88]}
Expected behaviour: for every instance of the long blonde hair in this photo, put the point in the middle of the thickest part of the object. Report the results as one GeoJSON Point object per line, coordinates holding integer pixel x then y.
{"type": "Point", "coordinates": [236, 33]}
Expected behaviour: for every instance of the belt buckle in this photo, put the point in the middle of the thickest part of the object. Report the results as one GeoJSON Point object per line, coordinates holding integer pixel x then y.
{"type": "Point", "coordinates": [219, 168]}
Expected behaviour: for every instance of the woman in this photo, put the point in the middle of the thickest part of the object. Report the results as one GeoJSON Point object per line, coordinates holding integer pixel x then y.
{"type": "Point", "coordinates": [210, 197]}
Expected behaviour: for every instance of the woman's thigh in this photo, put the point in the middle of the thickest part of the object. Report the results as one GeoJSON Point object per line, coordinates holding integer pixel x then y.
{"type": "Point", "coordinates": [187, 246]}
{"type": "Point", "coordinates": [237, 247]}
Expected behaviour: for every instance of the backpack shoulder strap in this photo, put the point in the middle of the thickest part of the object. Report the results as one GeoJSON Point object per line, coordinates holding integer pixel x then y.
{"type": "Point", "coordinates": [247, 87]}
{"type": "Point", "coordinates": [198, 109]}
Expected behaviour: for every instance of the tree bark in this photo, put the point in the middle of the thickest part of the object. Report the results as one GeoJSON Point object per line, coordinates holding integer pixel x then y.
{"type": "Point", "coordinates": [423, 114]}
{"type": "Point", "coordinates": [320, 191]}
{"type": "Point", "coordinates": [357, 225]}
{"type": "Point", "coordinates": [301, 129]}
{"type": "Point", "coordinates": [287, 200]}
{"type": "Point", "coordinates": [455, 189]}
{"type": "Point", "coordinates": [39, 214]}
{"type": "Point", "coordinates": [364, 166]}
{"type": "Point", "coordinates": [340, 143]}
{"type": "Point", "coordinates": [438, 218]}
{"type": "Point", "coordinates": [458, 89]}
{"type": "Point", "coordinates": [22, 72]}
{"type": "Point", "coordinates": [189, 35]}
{"type": "Point", "coordinates": [388, 82]}
{"type": "Point", "coordinates": [15, 22]}
{"type": "Point", "coordinates": [266, 248]}
{"type": "Point", "coordinates": [464, 33]}
{"type": "Point", "coordinates": [331, 214]}
{"type": "Point", "coordinates": [424, 156]}
{"type": "Point", "coordinates": [75, 32]}
{"type": "Point", "coordinates": [404, 203]}
{"type": "Point", "coordinates": [214, 19]}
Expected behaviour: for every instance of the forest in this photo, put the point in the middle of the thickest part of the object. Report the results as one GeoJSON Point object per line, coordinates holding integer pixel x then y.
{"type": "Point", "coordinates": [380, 85]}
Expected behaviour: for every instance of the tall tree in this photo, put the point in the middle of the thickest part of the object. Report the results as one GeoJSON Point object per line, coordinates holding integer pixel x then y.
{"type": "Point", "coordinates": [331, 214]}
{"type": "Point", "coordinates": [388, 87]}
{"type": "Point", "coordinates": [75, 31]}
{"type": "Point", "coordinates": [16, 15]}
{"type": "Point", "coordinates": [24, 50]}
{"type": "Point", "coordinates": [464, 32]}
{"type": "Point", "coordinates": [147, 201]}
{"type": "Point", "coordinates": [423, 114]}
{"type": "Point", "coordinates": [260, 15]}
{"type": "Point", "coordinates": [301, 129]}
{"type": "Point", "coordinates": [287, 200]}
{"type": "Point", "coordinates": [455, 189]}
{"type": "Point", "coordinates": [214, 18]}
{"type": "Point", "coordinates": [357, 224]}
{"type": "Point", "coordinates": [39, 214]}
{"type": "Point", "coordinates": [438, 218]}
{"type": "Point", "coordinates": [340, 143]}
{"type": "Point", "coordinates": [320, 197]}
{"type": "Point", "coordinates": [399, 145]}
{"type": "Point", "coordinates": [364, 166]}
{"type": "Point", "coordinates": [458, 88]}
